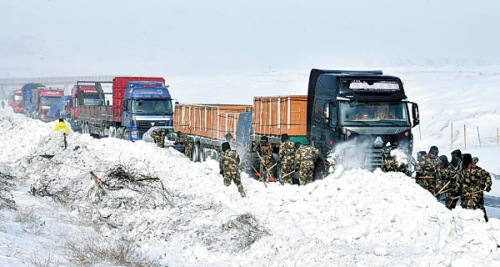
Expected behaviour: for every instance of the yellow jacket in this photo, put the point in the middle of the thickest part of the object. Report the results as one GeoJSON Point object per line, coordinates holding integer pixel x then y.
{"type": "Point", "coordinates": [61, 126]}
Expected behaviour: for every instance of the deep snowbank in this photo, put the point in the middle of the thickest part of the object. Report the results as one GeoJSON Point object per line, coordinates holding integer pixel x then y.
{"type": "Point", "coordinates": [350, 218]}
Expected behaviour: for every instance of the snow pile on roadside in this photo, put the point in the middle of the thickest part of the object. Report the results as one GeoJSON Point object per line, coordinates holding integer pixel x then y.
{"type": "Point", "coordinates": [350, 218]}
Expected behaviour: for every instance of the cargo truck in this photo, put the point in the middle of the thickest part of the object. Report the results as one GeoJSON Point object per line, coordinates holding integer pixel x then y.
{"type": "Point", "coordinates": [44, 98]}
{"type": "Point", "coordinates": [138, 103]}
{"type": "Point", "coordinates": [85, 95]}
{"type": "Point", "coordinates": [360, 110]}
{"type": "Point", "coordinates": [28, 92]}
{"type": "Point", "coordinates": [17, 102]}
{"type": "Point", "coordinates": [209, 125]}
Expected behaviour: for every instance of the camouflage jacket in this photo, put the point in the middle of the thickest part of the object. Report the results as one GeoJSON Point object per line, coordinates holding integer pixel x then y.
{"type": "Point", "coordinates": [306, 154]}
{"type": "Point", "coordinates": [473, 179]}
{"type": "Point", "coordinates": [427, 166]}
{"type": "Point", "coordinates": [229, 162]}
{"type": "Point", "coordinates": [287, 151]}
{"type": "Point", "coordinates": [443, 176]}
{"type": "Point", "coordinates": [389, 164]}
{"type": "Point", "coordinates": [186, 140]}
{"type": "Point", "coordinates": [266, 153]}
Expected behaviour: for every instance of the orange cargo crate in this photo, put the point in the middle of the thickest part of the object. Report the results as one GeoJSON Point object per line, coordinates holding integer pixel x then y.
{"type": "Point", "coordinates": [212, 121]}
{"type": "Point", "coordinates": [276, 115]}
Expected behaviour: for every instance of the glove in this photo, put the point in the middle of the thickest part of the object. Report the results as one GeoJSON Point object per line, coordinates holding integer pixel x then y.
{"type": "Point", "coordinates": [271, 179]}
{"type": "Point", "coordinates": [221, 172]}
{"type": "Point", "coordinates": [488, 188]}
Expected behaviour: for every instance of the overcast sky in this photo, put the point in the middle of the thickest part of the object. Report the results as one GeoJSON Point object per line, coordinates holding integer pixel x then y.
{"type": "Point", "coordinates": [217, 37]}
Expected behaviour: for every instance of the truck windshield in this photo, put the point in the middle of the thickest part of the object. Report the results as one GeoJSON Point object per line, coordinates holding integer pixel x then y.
{"type": "Point", "coordinates": [374, 114]}
{"type": "Point", "coordinates": [91, 99]}
{"type": "Point", "coordinates": [49, 101]}
{"type": "Point", "coordinates": [152, 106]}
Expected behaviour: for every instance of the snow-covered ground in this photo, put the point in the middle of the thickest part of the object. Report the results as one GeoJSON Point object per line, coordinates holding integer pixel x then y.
{"type": "Point", "coordinates": [187, 217]}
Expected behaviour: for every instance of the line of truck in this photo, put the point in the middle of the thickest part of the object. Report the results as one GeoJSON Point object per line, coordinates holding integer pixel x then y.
{"type": "Point", "coordinates": [360, 111]}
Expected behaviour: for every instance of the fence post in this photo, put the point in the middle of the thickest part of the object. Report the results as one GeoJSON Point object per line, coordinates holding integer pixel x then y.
{"type": "Point", "coordinates": [478, 136]}
{"type": "Point", "coordinates": [451, 135]}
{"type": "Point", "coordinates": [465, 137]}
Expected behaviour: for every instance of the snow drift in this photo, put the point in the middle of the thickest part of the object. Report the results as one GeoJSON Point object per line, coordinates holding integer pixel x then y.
{"type": "Point", "coordinates": [184, 215]}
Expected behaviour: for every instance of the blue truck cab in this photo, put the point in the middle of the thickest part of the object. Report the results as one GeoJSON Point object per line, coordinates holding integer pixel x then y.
{"type": "Point", "coordinates": [145, 105]}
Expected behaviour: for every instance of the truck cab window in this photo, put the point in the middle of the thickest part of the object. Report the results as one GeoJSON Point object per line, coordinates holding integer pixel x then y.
{"type": "Point", "coordinates": [374, 113]}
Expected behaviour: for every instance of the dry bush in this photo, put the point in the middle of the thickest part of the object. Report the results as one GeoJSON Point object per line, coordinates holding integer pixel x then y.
{"type": "Point", "coordinates": [6, 201]}
{"type": "Point", "coordinates": [91, 252]}
{"type": "Point", "coordinates": [26, 215]}
{"type": "Point", "coordinates": [248, 228]}
{"type": "Point", "coordinates": [41, 262]}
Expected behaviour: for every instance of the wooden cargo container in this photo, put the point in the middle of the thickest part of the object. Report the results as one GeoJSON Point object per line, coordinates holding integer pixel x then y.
{"type": "Point", "coordinates": [276, 115]}
{"type": "Point", "coordinates": [211, 121]}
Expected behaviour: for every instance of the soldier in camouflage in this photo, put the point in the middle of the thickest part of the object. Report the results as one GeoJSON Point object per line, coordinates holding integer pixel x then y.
{"type": "Point", "coordinates": [389, 163]}
{"type": "Point", "coordinates": [456, 165]}
{"type": "Point", "coordinates": [188, 143]}
{"type": "Point", "coordinates": [305, 159]}
{"type": "Point", "coordinates": [471, 183]}
{"type": "Point", "coordinates": [426, 170]}
{"type": "Point", "coordinates": [229, 162]}
{"type": "Point", "coordinates": [158, 136]}
{"type": "Point", "coordinates": [265, 153]}
{"type": "Point", "coordinates": [445, 180]}
{"type": "Point", "coordinates": [286, 159]}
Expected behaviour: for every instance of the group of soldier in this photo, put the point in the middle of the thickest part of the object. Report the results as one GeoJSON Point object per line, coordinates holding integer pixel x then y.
{"type": "Point", "coordinates": [296, 163]}
{"type": "Point", "coordinates": [459, 178]}
{"type": "Point", "coordinates": [159, 135]}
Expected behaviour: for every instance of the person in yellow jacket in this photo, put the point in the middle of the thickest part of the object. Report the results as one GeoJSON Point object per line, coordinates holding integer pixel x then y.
{"type": "Point", "coordinates": [61, 126]}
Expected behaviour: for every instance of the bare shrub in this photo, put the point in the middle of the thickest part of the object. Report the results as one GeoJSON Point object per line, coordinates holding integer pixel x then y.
{"type": "Point", "coordinates": [120, 252]}
{"type": "Point", "coordinates": [6, 199]}
{"type": "Point", "coordinates": [248, 228]}
{"type": "Point", "coordinates": [26, 215]}
{"type": "Point", "coordinates": [41, 262]}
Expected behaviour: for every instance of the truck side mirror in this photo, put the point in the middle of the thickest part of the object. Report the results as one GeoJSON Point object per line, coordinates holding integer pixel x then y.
{"type": "Point", "coordinates": [415, 114]}
{"type": "Point", "coordinates": [125, 105]}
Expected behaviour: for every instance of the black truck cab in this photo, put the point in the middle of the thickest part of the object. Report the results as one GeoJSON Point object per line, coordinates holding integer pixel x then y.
{"type": "Point", "coordinates": [360, 111]}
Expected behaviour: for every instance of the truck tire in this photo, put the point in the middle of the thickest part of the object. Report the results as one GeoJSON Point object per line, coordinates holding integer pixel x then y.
{"type": "Point", "coordinates": [195, 154]}
{"type": "Point", "coordinates": [112, 132]}
{"type": "Point", "coordinates": [120, 133]}
{"type": "Point", "coordinates": [203, 154]}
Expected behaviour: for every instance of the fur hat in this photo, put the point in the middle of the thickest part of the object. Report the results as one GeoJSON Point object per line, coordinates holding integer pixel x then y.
{"type": "Point", "coordinates": [225, 146]}
{"type": "Point", "coordinates": [467, 160]}
{"type": "Point", "coordinates": [434, 150]}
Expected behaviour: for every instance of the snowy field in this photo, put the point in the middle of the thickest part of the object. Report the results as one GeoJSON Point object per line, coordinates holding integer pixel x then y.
{"type": "Point", "coordinates": [174, 212]}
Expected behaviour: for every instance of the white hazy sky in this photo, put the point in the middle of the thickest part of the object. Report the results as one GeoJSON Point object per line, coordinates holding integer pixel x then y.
{"type": "Point", "coordinates": [170, 37]}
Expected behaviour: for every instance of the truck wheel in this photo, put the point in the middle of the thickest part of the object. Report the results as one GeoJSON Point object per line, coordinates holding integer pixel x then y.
{"type": "Point", "coordinates": [195, 154]}
{"type": "Point", "coordinates": [203, 156]}
{"type": "Point", "coordinates": [112, 132]}
{"type": "Point", "coordinates": [120, 133]}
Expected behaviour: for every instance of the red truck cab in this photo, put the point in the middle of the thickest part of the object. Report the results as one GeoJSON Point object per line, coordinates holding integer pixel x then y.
{"type": "Point", "coordinates": [43, 99]}
{"type": "Point", "coordinates": [17, 103]}
{"type": "Point", "coordinates": [83, 95]}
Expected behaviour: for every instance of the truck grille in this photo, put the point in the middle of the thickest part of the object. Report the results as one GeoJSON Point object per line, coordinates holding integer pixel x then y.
{"type": "Point", "coordinates": [373, 158]}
